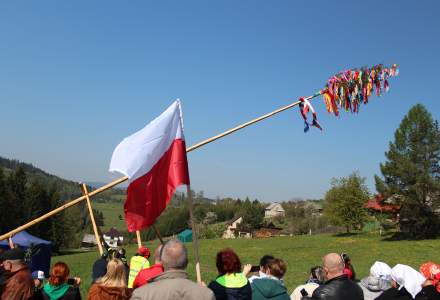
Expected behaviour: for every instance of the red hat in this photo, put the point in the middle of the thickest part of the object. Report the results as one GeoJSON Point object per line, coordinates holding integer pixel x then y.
{"type": "Point", "coordinates": [144, 251]}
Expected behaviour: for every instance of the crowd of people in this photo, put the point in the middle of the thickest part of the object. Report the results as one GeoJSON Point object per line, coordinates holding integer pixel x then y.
{"type": "Point", "coordinates": [113, 278]}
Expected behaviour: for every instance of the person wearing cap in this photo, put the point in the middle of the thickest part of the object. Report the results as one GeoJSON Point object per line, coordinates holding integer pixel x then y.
{"type": "Point", "coordinates": [137, 263]}
{"type": "Point", "coordinates": [146, 275]}
{"type": "Point", "coordinates": [4, 275]}
{"type": "Point", "coordinates": [19, 285]}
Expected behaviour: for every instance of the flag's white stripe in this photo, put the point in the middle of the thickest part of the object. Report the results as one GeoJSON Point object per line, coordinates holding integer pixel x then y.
{"type": "Point", "coordinates": [138, 153]}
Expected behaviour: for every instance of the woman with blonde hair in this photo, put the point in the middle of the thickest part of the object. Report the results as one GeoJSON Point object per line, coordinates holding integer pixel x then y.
{"type": "Point", "coordinates": [113, 285]}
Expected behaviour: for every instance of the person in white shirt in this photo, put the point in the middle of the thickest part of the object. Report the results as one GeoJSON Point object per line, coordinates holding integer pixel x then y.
{"type": "Point", "coordinates": [264, 263]}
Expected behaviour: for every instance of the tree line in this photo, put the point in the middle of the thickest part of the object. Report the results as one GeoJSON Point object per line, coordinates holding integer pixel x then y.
{"type": "Point", "coordinates": [24, 197]}
{"type": "Point", "coordinates": [410, 180]}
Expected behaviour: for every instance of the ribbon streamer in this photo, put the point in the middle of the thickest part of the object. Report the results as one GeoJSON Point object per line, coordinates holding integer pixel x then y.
{"type": "Point", "coordinates": [351, 88]}
{"type": "Point", "coordinates": [304, 107]}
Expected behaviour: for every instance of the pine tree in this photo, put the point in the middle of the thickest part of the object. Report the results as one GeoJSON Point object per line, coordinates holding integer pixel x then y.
{"type": "Point", "coordinates": [412, 171]}
{"type": "Point", "coordinates": [17, 198]}
{"type": "Point", "coordinates": [4, 195]}
{"type": "Point", "coordinates": [344, 202]}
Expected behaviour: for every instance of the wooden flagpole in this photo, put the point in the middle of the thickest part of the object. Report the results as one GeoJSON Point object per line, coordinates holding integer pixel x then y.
{"type": "Point", "coordinates": [92, 217]}
{"type": "Point", "coordinates": [122, 179]}
{"type": "Point", "coordinates": [157, 233]}
{"type": "Point", "coordinates": [195, 238]}
{"type": "Point", "coordinates": [138, 238]}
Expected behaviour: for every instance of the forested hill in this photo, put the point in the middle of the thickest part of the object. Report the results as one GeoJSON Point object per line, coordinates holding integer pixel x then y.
{"type": "Point", "coordinates": [29, 192]}
{"type": "Point", "coordinates": [66, 189]}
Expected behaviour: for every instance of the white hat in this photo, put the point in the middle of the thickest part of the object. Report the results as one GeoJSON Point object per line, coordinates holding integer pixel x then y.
{"type": "Point", "coordinates": [381, 270]}
{"type": "Point", "coordinates": [409, 278]}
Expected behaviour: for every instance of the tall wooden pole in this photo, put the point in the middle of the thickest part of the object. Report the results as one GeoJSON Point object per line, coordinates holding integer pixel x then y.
{"type": "Point", "coordinates": [138, 238]}
{"type": "Point", "coordinates": [194, 233]}
{"type": "Point", "coordinates": [122, 179]}
{"type": "Point", "coordinates": [157, 233]}
{"type": "Point", "coordinates": [92, 218]}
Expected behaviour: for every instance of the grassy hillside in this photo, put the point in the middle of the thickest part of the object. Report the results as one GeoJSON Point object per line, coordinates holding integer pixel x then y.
{"type": "Point", "coordinates": [111, 212]}
{"type": "Point", "coordinates": [300, 252]}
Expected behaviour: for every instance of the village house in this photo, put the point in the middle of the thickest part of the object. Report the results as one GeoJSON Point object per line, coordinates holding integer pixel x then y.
{"type": "Point", "coordinates": [274, 210]}
{"type": "Point", "coordinates": [232, 228]}
{"type": "Point", "coordinates": [113, 238]}
{"type": "Point", "coordinates": [88, 241]}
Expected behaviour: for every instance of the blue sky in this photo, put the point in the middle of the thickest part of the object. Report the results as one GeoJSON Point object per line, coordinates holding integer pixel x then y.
{"type": "Point", "coordinates": [78, 76]}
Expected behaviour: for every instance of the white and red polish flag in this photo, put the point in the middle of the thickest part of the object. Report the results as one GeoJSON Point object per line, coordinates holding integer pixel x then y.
{"type": "Point", "coordinates": [154, 160]}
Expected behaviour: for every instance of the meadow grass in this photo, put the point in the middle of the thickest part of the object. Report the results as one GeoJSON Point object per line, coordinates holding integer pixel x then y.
{"type": "Point", "coordinates": [300, 253]}
{"type": "Point", "coordinates": [111, 212]}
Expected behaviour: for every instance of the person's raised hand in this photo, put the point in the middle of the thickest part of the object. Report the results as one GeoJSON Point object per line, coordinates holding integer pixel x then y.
{"type": "Point", "coordinates": [247, 269]}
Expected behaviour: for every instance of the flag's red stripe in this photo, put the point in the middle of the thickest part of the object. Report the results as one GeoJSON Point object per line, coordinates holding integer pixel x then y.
{"type": "Point", "coordinates": [149, 194]}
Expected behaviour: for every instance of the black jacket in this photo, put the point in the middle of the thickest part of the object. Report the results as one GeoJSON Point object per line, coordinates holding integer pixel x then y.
{"type": "Point", "coordinates": [225, 293]}
{"type": "Point", "coordinates": [339, 288]}
{"type": "Point", "coordinates": [427, 293]}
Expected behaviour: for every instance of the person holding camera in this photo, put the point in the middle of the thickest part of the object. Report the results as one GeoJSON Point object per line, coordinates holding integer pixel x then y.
{"type": "Point", "coordinates": [60, 286]}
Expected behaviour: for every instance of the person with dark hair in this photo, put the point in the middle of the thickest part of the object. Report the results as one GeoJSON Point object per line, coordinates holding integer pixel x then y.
{"type": "Point", "coordinates": [58, 288]}
{"type": "Point", "coordinates": [100, 267]}
{"type": "Point", "coordinates": [348, 267]}
{"type": "Point", "coordinates": [19, 284]}
{"type": "Point", "coordinates": [231, 284]}
{"type": "Point", "coordinates": [264, 261]}
{"type": "Point", "coordinates": [173, 283]}
{"type": "Point", "coordinates": [317, 277]}
{"type": "Point", "coordinates": [271, 286]}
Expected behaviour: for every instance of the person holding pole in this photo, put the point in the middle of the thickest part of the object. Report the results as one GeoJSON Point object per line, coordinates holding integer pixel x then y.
{"type": "Point", "coordinates": [174, 283]}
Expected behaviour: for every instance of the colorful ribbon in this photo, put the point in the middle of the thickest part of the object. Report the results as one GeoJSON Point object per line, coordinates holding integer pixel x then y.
{"type": "Point", "coordinates": [349, 89]}
{"type": "Point", "coordinates": [304, 107]}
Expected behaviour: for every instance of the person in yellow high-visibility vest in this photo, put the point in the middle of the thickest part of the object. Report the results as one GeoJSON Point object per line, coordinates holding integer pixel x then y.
{"type": "Point", "coordinates": [138, 262]}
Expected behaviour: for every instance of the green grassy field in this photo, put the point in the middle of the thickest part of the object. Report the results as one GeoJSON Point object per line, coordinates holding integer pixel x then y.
{"type": "Point", "coordinates": [111, 212]}
{"type": "Point", "coordinates": [300, 253]}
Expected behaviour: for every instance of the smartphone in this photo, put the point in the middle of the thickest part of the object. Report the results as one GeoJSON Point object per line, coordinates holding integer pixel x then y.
{"type": "Point", "coordinates": [304, 293]}
{"type": "Point", "coordinates": [255, 269]}
{"type": "Point", "coordinates": [71, 281]}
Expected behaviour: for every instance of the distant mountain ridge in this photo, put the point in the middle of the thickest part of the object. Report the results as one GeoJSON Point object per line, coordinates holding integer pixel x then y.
{"type": "Point", "coordinates": [67, 189]}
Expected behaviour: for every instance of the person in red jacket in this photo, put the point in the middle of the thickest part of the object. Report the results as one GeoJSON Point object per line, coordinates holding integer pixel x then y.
{"type": "Point", "coordinates": [145, 275]}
